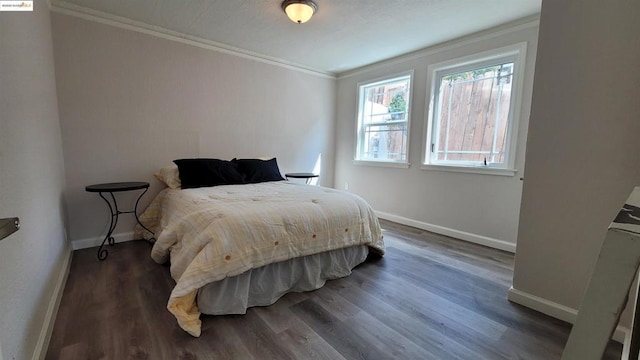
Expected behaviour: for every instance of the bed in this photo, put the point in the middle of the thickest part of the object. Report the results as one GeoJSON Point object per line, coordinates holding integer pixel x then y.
{"type": "Point", "coordinates": [235, 246]}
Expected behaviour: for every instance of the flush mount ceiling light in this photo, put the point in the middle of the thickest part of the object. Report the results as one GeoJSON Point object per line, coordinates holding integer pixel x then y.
{"type": "Point", "coordinates": [299, 11]}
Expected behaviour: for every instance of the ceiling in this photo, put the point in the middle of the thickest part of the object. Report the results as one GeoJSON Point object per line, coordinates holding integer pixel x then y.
{"type": "Point", "coordinates": [341, 36]}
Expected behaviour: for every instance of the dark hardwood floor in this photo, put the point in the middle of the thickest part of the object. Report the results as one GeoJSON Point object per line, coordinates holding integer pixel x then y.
{"type": "Point", "coordinates": [429, 297]}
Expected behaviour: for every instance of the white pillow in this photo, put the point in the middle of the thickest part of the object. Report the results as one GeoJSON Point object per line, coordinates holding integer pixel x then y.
{"type": "Point", "coordinates": [169, 175]}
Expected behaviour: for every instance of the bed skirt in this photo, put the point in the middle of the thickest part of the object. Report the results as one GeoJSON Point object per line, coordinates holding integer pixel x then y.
{"type": "Point", "coordinates": [265, 285]}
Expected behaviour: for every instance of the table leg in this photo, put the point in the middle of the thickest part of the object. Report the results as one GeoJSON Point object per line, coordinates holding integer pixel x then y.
{"type": "Point", "coordinates": [135, 213]}
{"type": "Point", "coordinates": [102, 252]}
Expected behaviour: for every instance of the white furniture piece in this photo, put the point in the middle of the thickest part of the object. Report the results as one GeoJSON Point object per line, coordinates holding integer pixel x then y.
{"type": "Point", "coordinates": [609, 288]}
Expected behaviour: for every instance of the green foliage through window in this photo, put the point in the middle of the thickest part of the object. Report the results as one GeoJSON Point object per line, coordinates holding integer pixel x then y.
{"type": "Point", "coordinates": [397, 107]}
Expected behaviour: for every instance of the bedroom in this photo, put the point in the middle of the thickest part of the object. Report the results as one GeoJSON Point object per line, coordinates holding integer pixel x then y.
{"type": "Point", "coordinates": [94, 104]}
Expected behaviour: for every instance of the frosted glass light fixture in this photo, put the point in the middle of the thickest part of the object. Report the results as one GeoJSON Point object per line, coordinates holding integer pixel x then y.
{"type": "Point", "coordinates": [299, 11]}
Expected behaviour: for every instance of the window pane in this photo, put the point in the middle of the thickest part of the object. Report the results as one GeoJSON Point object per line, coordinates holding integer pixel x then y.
{"type": "Point", "coordinates": [473, 113]}
{"type": "Point", "coordinates": [383, 123]}
{"type": "Point", "coordinates": [387, 142]}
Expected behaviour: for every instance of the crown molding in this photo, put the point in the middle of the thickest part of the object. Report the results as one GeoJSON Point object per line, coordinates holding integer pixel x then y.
{"type": "Point", "coordinates": [66, 8]}
{"type": "Point", "coordinates": [524, 23]}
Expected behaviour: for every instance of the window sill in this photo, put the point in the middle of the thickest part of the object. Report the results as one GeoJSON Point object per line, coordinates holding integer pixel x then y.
{"type": "Point", "coordinates": [382, 163]}
{"type": "Point", "coordinates": [471, 169]}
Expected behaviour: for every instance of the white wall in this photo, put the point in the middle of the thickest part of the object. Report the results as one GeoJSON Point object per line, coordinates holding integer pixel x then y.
{"type": "Point", "coordinates": [583, 154]}
{"type": "Point", "coordinates": [131, 103]}
{"type": "Point", "coordinates": [481, 208]}
{"type": "Point", "coordinates": [31, 180]}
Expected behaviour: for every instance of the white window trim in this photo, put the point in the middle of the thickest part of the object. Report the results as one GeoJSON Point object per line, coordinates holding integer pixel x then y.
{"type": "Point", "coordinates": [394, 164]}
{"type": "Point", "coordinates": [384, 163]}
{"type": "Point", "coordinates": [519, 52]}
{"type": "Point", "coordinates": [475, 169]}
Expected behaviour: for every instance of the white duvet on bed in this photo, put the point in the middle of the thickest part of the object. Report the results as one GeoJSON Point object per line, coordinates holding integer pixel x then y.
{"type": "Point", "coordinates": [217, 232]}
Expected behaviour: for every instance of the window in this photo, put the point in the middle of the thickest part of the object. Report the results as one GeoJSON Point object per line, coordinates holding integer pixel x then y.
{"type": "Point", "coordinates": [472, 118]}
{"type": "Point", "coordinates": [383, 120]}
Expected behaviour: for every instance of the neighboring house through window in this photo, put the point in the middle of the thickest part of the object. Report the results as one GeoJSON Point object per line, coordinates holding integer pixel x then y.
{"type": "Point", "coordinates": [474, 111]}
{"type": "Point", "coordinates": [383, 120]}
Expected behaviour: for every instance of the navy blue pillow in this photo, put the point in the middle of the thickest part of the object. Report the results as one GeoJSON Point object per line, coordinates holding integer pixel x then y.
{"type": "Point", "coordinates": [256, 170]}
{"type": "Point", "coordinates": [195, 173]}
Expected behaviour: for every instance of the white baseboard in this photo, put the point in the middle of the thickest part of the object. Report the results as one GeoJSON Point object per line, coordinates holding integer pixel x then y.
{"type": "Point", "coordinates": [52, 310]}
{"type": "Point", "coordinates": [462, 235]}
{"type": "Point", "coordinates": [92, 242]}
{"type": "Point", "coordinates": [621, 334]}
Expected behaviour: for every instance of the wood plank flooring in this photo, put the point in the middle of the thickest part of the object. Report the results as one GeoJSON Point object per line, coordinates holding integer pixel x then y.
{"type": "Point", "coordinates": [429, 297]}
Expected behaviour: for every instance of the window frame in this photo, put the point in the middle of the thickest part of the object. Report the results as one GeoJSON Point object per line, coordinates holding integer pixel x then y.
{"type": "Point", "coordinates": [515, 53]}
{"type": "Point", "coordinates": [359, 134]}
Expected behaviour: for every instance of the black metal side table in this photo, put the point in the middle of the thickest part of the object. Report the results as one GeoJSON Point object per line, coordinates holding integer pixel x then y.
{"type": "Point", "coordinates": [111, 188]}
{"type": "Point", "coordinates": [306, 176]}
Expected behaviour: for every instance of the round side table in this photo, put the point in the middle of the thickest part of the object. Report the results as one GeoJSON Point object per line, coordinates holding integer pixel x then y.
{"type": "Point", "coordinates": [111, 188]}
{"type": "Point", "coordinates": [301, 175]}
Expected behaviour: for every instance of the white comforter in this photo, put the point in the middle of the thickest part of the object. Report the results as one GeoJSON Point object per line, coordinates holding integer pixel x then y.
{"type": "Point", "coordinates": [215, 232]}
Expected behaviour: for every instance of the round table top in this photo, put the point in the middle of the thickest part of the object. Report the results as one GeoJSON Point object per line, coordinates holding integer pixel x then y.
{"type": "Point", "coordinates": [301, 175]}
{"type": "Point", "coordinates": [117, 186]}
